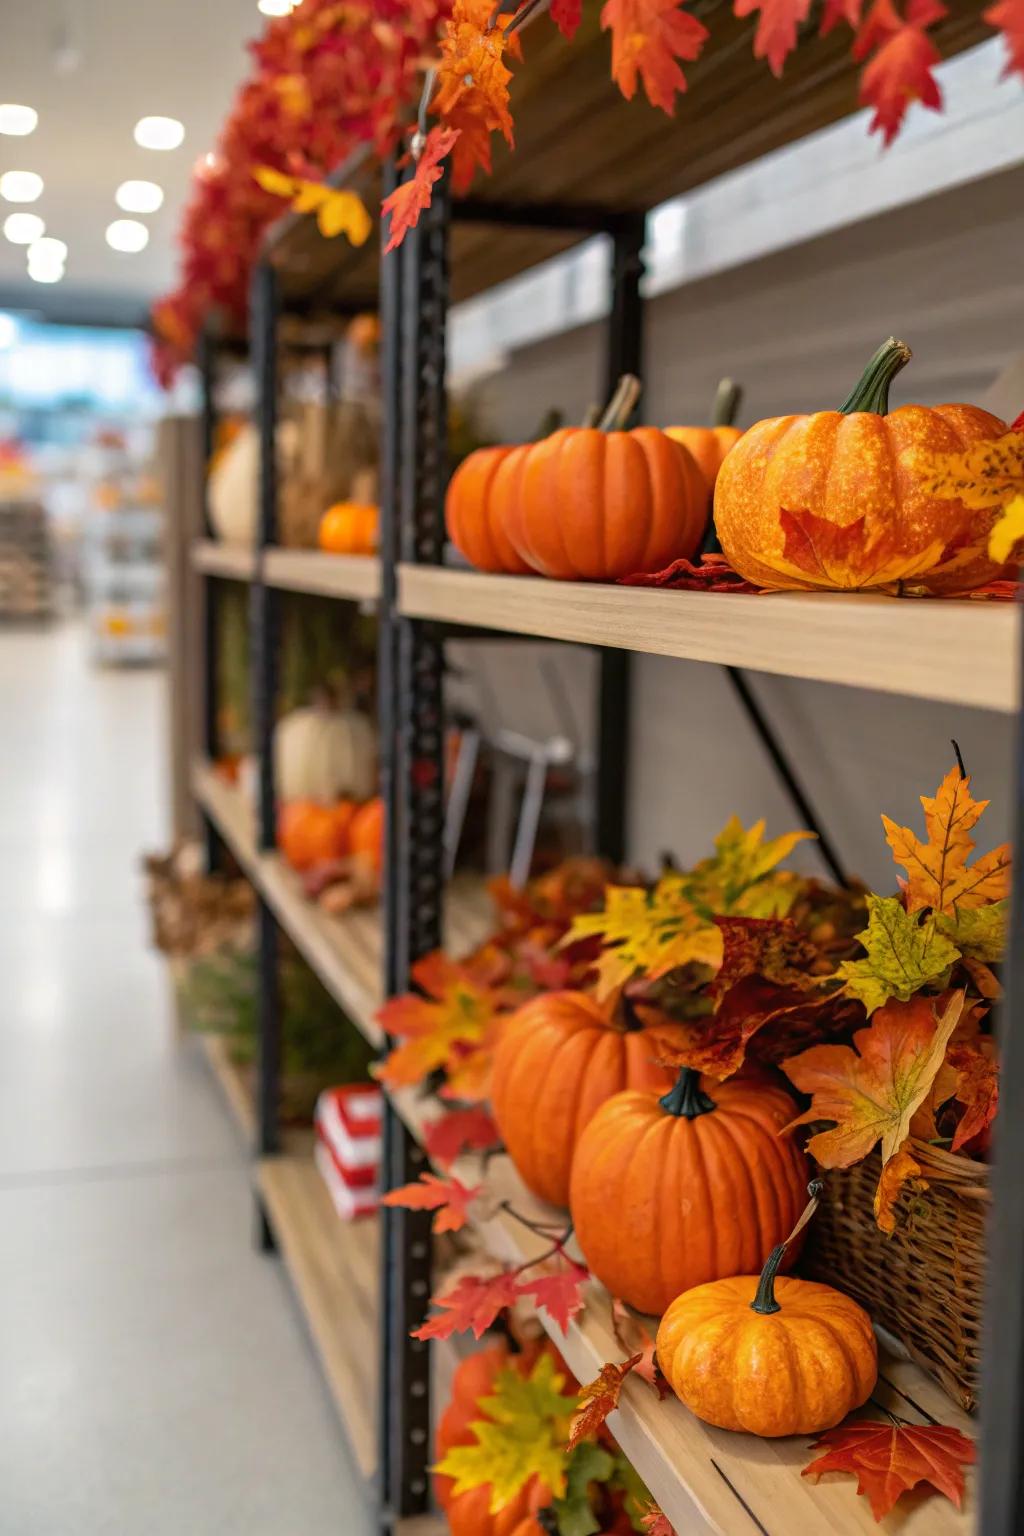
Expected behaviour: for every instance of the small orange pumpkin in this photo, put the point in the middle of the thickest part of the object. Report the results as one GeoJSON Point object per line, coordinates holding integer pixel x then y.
{"type": "Point", "coordinates": [309, 834]}
{"type": "Point", "coordinates": [350, 528]}
{"type": "Point", "coordinates": [366, 835]}
{"type": "Point", "coordinates": [769, 1356]}
{"type": "Point", "coordinates": [469, 1512]}
{"type": "Point", "coordinates": [709, 445]}
{"type": "Point", "coordinates": [834, 499]}
{"type": "Point", "coordinates": [475, 510]}
{"type": "Point", "coordinates": [559, 1058]}
{"type": "Point", "coordinates": [667, 1193]}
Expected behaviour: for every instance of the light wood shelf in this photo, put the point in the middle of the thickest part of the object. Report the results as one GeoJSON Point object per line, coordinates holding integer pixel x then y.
{"type": "Point", "coordinates": [963, 651]}
{"type": "Point", "coordinates": [236, 561]}
{"type": "Point", "coordinates": [310, 570]}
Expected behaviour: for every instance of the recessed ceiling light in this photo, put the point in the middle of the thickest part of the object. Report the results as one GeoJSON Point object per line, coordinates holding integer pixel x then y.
{"type": "Point", "coordinates": [8, 331]}
{"type": "Point", "coordinates": [276, 7]}
{"type": "Point", "coordinates": [127, 235]}
{"type": "Point", "coordinates": [159, 132]}
{"type": "Point", "coordinates": [139, 196]}
{"type": "Point", "coordinates": [17, 120]}
{"type": "Point", "coordinates": [20, 186]}
{"type": "Point", "coordinates": [48, 252]}
{"type": "Point", "coordinates": [23, 228]}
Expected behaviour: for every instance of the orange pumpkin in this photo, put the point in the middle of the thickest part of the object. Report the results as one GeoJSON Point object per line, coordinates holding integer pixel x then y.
{"type": "Point", "coordinates": [310, 834]}
{"type": "Point", "coordinates": [667, 1193]}
{"type": "Point", "coordinates": [469, 1513]}
{"type": "Point", "coordinates": [709, 445]}
{"type": "Point", "coordinates": [350, 528]}
{"type": "Point", "coordinates": [529, 1527]}
{"type": "Point", "coordinates": [475, 510]}
{"type": "Point", "coordinates": [364, 334]}
{"type": "Point", "coordinates": [559, 1058]}
{"type": "Point", "coordinates": [366, 834]}
{"type": "Point", "coordinates": [594, 505]}
{"type": "Point", "coordinates": [835, 499]}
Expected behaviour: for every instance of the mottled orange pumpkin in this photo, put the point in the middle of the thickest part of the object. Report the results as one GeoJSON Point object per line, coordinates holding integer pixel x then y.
{"type": "Point", "coordinates": [309, 834]}
{"type": "Point", "coordinates": [561, 1056]}
{"type": "Point", "coordinates": [594, 505]}
{"type": "Point", "coordinates": [772, 1357]}
{"type": "Point", "coordinates": [349, 528]}
{"type": "Point", "coordinates": [836, 499]}
{"type": "Point", "coordinates": [709, 445]}
{"type": "Point", "coordinates": [475, 510]}
{"type": "Point", "coordinates": [667, 1193]}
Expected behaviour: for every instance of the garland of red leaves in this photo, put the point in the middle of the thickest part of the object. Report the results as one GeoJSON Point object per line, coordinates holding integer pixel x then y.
{"type": "Point", "coordinates": [335, 75]}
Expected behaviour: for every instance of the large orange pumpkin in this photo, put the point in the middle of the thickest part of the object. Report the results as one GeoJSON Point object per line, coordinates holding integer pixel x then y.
{"type": "Point", "coordinates": [835, 500]}
{"type": "Point", "coordinates": [350, 528]}
{"type": "Point", "coordinates": [310, 834]}
{"type": "Point", "coordinates": [366, 834]}
{"type": "Point", "coordinates": [668, 1193]}
{"type": "Point", "coordinates": [476, 510]}
{"type": "Point", "coordinates": [709, 445]}
{"type": "Point", "coordinates": [594, 505]}
{"type": "Point", "coordinates": [559, 1058]}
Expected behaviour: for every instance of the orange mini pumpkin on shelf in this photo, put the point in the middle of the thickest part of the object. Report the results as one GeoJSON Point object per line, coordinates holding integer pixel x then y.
{"type": "Point", "coordinates": [476, 510]}
{"type": "Point", "coordinates": [350, 528]}
{"type": "Point", "coordinates": [709, 445]}
{"type": "Point", "coordinates": [560, 1057]}
{"type": "Point", "coordinates": [366, 835]}
{"type": "Point", "coordinates": [469, 1513]}
{"type": "Point", "coordinates": [668, 1193]}
{"type": "Point", "coordinates": [310, 834]}
{"type": "Point", "coordinates": [841, 499]}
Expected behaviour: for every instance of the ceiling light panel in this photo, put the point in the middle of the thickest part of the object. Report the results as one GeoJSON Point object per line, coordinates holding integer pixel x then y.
{"type": "Point", "coordinates": [17, 120]}
{"type": "Point", "coordinates": [23, 228]}
{"type": "Point", "coordinates": [127, 236]}
{"type": "Point", "coordinates": [159, 132]}
{"type": "Point", "coordinates": [21, 186]}
{"type": "Point", "coordinates": [139, 196]}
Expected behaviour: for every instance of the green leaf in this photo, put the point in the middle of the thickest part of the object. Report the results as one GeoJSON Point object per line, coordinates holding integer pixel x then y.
{"type": "Point", "coordinates": [587, 1464]}
{"type": "Point", "coordinates": [979, 932]}
{"type": "Point", "coordinates": [903, 955]}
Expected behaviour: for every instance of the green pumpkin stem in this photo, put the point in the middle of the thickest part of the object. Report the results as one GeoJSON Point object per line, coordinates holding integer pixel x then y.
{"type": "Point", "coordinates": [872, 390]}
{"type": "Point", "coordinates": [621, 405]}
{"type": "Point", "coordinates": [764, 1302]}
{"type": "Point", "coordinates": [727, 404]}
{"type": "Point", "coordinates": [687, 1099]}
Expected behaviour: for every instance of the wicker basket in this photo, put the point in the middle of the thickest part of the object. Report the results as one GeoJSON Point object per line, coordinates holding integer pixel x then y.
{"type": "Point", "coordinates": [925, 1282]}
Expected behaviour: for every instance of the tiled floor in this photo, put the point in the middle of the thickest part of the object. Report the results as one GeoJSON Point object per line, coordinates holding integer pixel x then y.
{"type": "Point", "coordinates": [154, 1377]}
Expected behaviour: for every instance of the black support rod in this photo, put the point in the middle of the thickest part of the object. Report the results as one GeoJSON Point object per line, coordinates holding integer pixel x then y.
{"type": "Point", "coordinates": [207, 361]}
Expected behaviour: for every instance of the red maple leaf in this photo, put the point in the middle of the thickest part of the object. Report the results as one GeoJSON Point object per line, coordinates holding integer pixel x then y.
{"type": "Point", "coordinates": [713, 574]}
{"type": "Point", "coordinates": [1008, 15]}
{"type": "Point", "coordinates": [655, 1523]}
{"type": "Point", "coordinates": [472, 1305]}
{"type": "Point", "coordinates": [461, 1130]}
{"type": "Point", "coordinates": [977, 1088]}
{"type": "Point", "coordinates": [448, 1197]}
{"type": "Point", "coordinates": [648, 38]}
{"type": "Point", "coordinates": [900, 71]}
{"type": "Point", "coordinates": [836, 11]}
{"type": "Point", "coordinates": [597, 1400]}
{"type": "Point", "coordinates": [634, 1337]}
{"type": "Point", "coordinates": [566, 15]}
{"type": "Point", "coordinates": [776, 28]}
{"type": "Point", "coordinates": [558, 1293]}
{"type": "Point", "coordinates": [407, 202]}
{"type": "Point", "coordinates": [888, 1459]}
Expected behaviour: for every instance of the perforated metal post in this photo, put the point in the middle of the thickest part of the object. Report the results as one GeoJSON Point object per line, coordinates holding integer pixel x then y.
{"type": "Point", "coordinates": [207, 363]}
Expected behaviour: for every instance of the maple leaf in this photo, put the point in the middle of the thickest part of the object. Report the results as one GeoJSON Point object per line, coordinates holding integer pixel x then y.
{"type": "Point", "coordinates": [473, 1305]}
{"type": "Point", "coordinates": [448, 1197]}
{"type": "Point", "coordinates": [903, 954]}
{"type": "Point", "coordinates": [834, 556]}
{"type": "Point", "coordinates": [871, 1089]}
{"type": "Point", "coordinates": [1008, 15]}
{"type": "Point", "coordinates": [588, 1463]}
{"type": "Point", "coordinates": [405, 204]}
{"type": "Point", "coordinates": [777, 25]}
{"type": "Point", "coordinates": [567, 15]}
{"type": "Point", "coordinates": [559, 1292]}
{"type": "Point", "coordinates": [633, 1336]}
{"type": "Point", "coordinates": [648, 38]}
{"type": "Point", "coordinates": [456, 1013]}
{"type": "Point", "coordinates": [978, 932]}
{"type": "Point", "coordinates": [836, 11]}
{"type": "Point", "coordinates": [1007, 531]}
{"type": "Point", "coordinates": [655, 1523]}
{"type": "Point", "coordinates": [889, 1459]}
{"type": "Point", "coordinates": [339, 211]}
{"type": "Point", "coordinates": [982, 476]}
{"type": "Point", "coordinates": [645, 931]}
{"type": "Point", "coordinates": [902, 1168]}
{"type": "Point", "coordinates": [938, 873]}
{"type": "Point", "coordinates": [977, 1088]}
{"type": "Point", "coordinates": [598, 1399]}
{"type": "Point", "coordinates": [458, 1131]}
{"type": "Point", "coordinates": [742, 873]}
{"type": "Point", "coordinates": [900, 71]}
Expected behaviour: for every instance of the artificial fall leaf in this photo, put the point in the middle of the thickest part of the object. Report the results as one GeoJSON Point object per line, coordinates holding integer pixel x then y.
{"type": "Point", "coordinates": [889, 1459]}
{"type": "Point", "coordinates": [567, 15]}
{"type": "Point", "coordinates": [635, 1338]}
{"type": "Point", "coordinates": [836, 11]}
{"type": "Point", "coordinates": [778, 21]}
{"type": "Point", "coordinates": [648, 39]}
{"type": "Point", "coordinates": [982, 476]}
{"type": "Point", "coordinates": [978, 932]}
{"type": "Point", "coordinates": [574, 1516]}
{"type": "Point", "coordinates": [938, 873]}
{"type": "Point", "coordinates": [901, 1169]}
{"type": "Point", "coordinates": [741, 876]}
{"type": "Point", "coordinates": [657, 1524]}
{"type": "Point", "coordinates": [903, 953]}
{"type": "Point", "coordinates": [472, 86]}
{"type": "Point", "coordinates": [900, 69]}
{"type": "Point", "coordinates": [872, 1088]}
{"type": "Point", "coordinates": [1007, 531]}
{"type": "Point", "coordinates": [1008, 15]}
{"type": "Point", "coordinates": [472, 1306]}
{"type": "Point", "coordinates": [598, 1399]}
{"type": "Point", "coordinates": [558, 1292]}
{"type": "Point", "coordinates": [456, 1013]}
{"type": "Point", "coordinates": [977, 1088]}
{"type": "Point", "coordinates": [646, 931]}
{"type": "Point", "coordinates": [338, 210]}
{"type": "Point", "coordinates": [450, 1199]}
{"type": "Point", "coordinates": [836, 556]}
{"type": "Point", "coordinates": [458, 1131]}
{"type": "Point", "coordinates": [405, 204]}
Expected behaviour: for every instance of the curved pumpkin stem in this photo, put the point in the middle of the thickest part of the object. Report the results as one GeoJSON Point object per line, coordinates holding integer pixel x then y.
{"type": "Point", "coordinates": [629, 1020]}
{"type": "Point", "coordinates": [764, 1302]}
{"type": "Point", "coordinates": [727, 403]}
{"type": "Point", "coordinates": [621, 405]}
{"type": "Point", "coordinates": [872, 389]}
{"type": "Point", "coordinates": [687, 1099]}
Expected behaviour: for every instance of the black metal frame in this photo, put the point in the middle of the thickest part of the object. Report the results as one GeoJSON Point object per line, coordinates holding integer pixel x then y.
{"type": "Point", "coordinates": [207, 364]}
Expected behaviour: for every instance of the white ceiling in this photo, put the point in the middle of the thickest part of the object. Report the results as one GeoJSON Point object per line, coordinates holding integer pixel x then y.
{"type": "Point", "coordinates": [131, 59]}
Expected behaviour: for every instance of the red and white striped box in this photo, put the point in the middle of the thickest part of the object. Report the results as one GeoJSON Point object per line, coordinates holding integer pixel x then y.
{"type": "Point", "coordinates": [347, 1122]}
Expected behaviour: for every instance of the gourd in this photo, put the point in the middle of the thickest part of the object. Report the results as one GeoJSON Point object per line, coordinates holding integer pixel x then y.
{"type": "Point", "coordinates": [667, 1193]}
{"type": "Point", "coordinates": [349, 528]}
{"type": "Point", "coordinates": [835, 499]}
{"type": "Point", "coordinates": [309, 834]}
{"type": "Point", "coordinates": [324, 754]}
{"type": "Point", "coordinates": [768, 1355]}
{"type": "Point", "coordinates": [476, 512]}
{"type": "Point", "coordinates": [560, 1057]}
{"type": "Point", "coordinates": [709, 445]}
{"type": "Point", "coordinates": [366, 835]}
{"type": "Point", "coordinates": [233, 485]}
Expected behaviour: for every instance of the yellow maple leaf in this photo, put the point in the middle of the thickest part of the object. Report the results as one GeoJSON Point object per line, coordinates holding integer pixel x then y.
{"type": "Point", "coordinates": [339, 211]}
{"type": "Point", "coordinates": [902, 955]}
{"type": "Point", "coordinates": [648, 932]}
{"type": "Point", "coordinates": [939, 875]}
{"type": "Point", "coordinates": [985, 474]}
{"type": "Point", "coordinates": [1007, 531]}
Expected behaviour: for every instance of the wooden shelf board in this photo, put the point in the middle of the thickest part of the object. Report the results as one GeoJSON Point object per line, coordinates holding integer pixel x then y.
{"type": "Point", "coordinates": [333, 1268]}
{"type": "Point", "coordinates": [233, 1084]}
{"type": "Point", "coordinates": [310, 570]}
{"type": "Point", "coordinates": [961, 651]}
{"type": "Point", "coordinates": [235, 561]}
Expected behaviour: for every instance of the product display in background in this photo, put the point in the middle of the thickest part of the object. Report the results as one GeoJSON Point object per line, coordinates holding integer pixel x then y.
{"type": "Point", "coordinates": [348, 1147]}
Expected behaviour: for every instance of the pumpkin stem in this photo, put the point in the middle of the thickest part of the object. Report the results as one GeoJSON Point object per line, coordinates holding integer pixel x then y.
{"type": "Point", "coordinates": [727, 403]}
{"type": "Point", "coordinates": [764, 1302]}
{"type": "Point", "coordinates": [621, 405]}
{"type": "Point", "coordinates": [959, 758]}
{"type": "Point", "coordinates": [630, 1021]}
{"type": "Point", "coordinates": [872, 390]}
{"type": "Point", "coordinates": [687, 1099]}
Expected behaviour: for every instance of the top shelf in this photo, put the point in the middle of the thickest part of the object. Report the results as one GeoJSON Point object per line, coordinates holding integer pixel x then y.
{"type": "Point", "coordinates": [960, 652]}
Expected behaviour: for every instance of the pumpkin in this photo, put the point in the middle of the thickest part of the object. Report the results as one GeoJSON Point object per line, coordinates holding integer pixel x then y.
{"type": "Point", "coordinates": [559, 1058]}
{"type": "Point", "coordinates": [476, 509]}
{"type": "Point", "coordinates": [349, 528]}
{"type": "Point", "coordinates": [709, 445]}
{"type": "Point", "coordinates": [835, 499]}
{"type": "Point", "coordinates": [474, 1378]}
{"type": "Point", "coordinates": [366, 835]}
{"type": "Point", "coordinates": [233, 483]}
{"type": "Point", "coordinates": [469, 1513]}
{"type": "Point", "coordinates": [770, 1356]}
{"type": "Point", "coordinates": [309, 834]}
{"type": "Point", "coordinates": [324, 754]}
{"type": "Point", "coordinates": [667, 1193]}
{"type": "Point", "coordinates": [529, 1527]}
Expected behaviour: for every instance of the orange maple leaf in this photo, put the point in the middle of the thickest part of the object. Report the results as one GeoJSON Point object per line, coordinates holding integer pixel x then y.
{"type": "Point", "coordinates": [472, 86]}
{"type": "Point", "coordinates": [902, 1168]}
{"type": "Point", "coordinates": [888, 1459]}
{"type": "Point", "coordinates": [1008, 15]}
{"type": "Point", "coordinates": [457, 1013]}
{"type": "Point", "coordinates": [597, 1400]}
{"type": "Point", "coordinates": [655, 1523]}
{"type": "Point", "coordinates": [900, 71]}
{"type": "Point", "coordinates": [648, 39]}
{"type": "Point", "coordinates": [835, 11]}
{"type": "Point", "coordinates": [449, 1198]}
{"type": "Point", "coordinates": [405, 204]}
{"type": "Point", "coordinates": [836, 556]}
{"type": "Point", "coordinates": [777, 26]}
{"type": "Point", "coordinates": [939, 875]}
{"type": "Point", "coordinates": [977, 1087]}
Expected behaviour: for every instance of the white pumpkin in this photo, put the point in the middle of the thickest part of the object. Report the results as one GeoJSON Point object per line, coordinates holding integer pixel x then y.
{"type": "Point", "coordinates": [325, 754]}
{"type": "Point", "coordinates": [233, 489]}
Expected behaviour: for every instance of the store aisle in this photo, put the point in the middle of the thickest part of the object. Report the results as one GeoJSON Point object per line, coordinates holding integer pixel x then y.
{"type": "Point", "coordinates": [154, 1378]}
